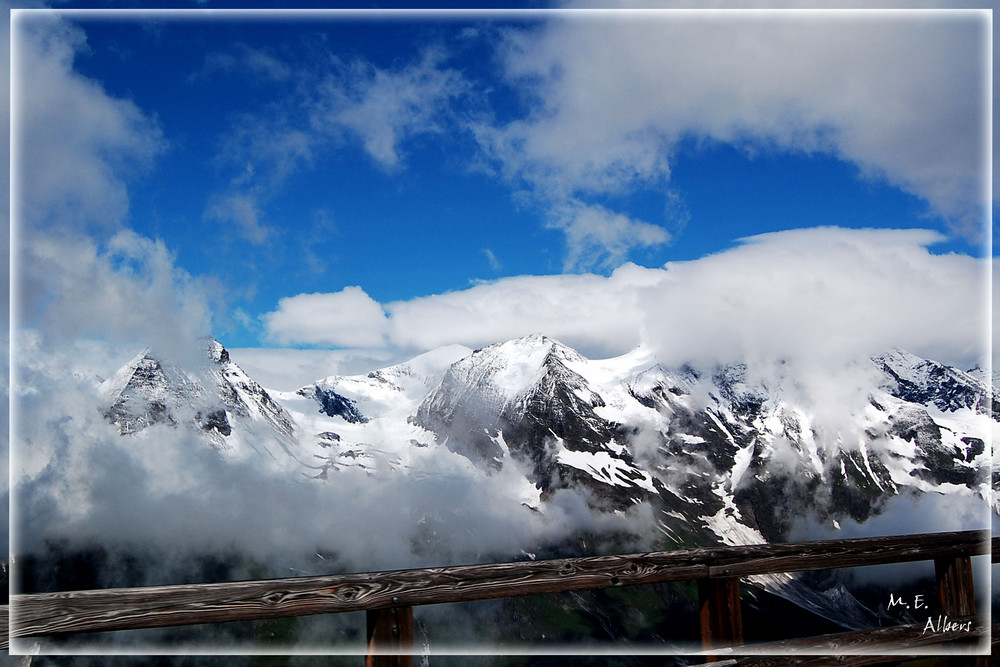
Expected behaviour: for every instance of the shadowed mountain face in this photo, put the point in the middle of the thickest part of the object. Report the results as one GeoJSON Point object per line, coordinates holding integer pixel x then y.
{"type": "Point", "coordinates": [711, 446]}
{"type": "Point", "coordinates": [218, 398]}
{"type": "Point", "coordinates": [523, 402]}
{"type": "Point", "coordinates": [731, 453]}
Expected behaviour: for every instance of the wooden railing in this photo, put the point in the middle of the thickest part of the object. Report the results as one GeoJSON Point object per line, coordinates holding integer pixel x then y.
{"type": "Point", "coordinates": [389, 597]}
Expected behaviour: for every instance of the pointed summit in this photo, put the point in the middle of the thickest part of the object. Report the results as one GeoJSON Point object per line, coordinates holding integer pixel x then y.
{"type": "Point", "coordinates": [148, 391]}
{"type": "Point", "coordinates": [918, 380]}
{"type": "Point", "coordinates": [528, 398]}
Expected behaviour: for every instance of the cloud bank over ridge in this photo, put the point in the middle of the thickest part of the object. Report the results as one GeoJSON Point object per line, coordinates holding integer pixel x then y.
{"type": "Point", "coordinates": [823, 293]}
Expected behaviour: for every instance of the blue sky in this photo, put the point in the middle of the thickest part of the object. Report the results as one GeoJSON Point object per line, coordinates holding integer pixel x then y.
{"type": "Point", "coordinates": [332, 195]}
{"type": "Point", "coordinates": [304, 181]}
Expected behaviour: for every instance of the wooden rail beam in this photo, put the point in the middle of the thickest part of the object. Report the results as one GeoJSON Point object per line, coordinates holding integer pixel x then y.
{"type": "Point", "coordinates": [832, 554]}
{"type": "Point", "coordinates": [162, 606]}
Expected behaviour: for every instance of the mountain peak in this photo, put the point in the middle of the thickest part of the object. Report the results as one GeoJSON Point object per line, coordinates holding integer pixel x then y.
{"type": "Point", "coordinates": [149, 391]}
{"type": "Point", "coordinates": [919, 380]}
{"type": "Point", "coordinates": [216, 351]}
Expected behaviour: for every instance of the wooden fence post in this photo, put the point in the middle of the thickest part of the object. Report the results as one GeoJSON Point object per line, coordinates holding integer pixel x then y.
{"type": "Point", "coordinates": [956, 590]}
{"type": "Point", "coordinates": [390, 637]}
{"type": "Point", "coordinates": [721, 614]}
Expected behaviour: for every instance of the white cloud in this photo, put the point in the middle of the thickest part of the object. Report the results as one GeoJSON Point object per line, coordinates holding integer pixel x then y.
{"type": "Point", "coordinates": [78, 270]}
{"type": "Point", "coordinates": [242, 211]}
{"type": "Point", "coordinates": [384, 108]}
{"type": "Point", "coordinates": [492, 259]}
{"type": "Point", "coordinates": [256, 64]}
{"type": "Point", "coordinates": [825, 295]}
{"type": "Point", "coordinates": [347, 318]}
{"type": "Point", "coordinates": [900, 96]}
{"type": "Point", "coordinates": [288, 369]}
{"type": "Point", "coordinates": [127, 291]}
{"type": "Point", "coordinates": [267, 150]}
{"type": "Point", "coordinates": [75, 142]}
{"type": "Point", "coordinates": [597, 237]}
{"type": "Point", "coordinates": [589, 311]}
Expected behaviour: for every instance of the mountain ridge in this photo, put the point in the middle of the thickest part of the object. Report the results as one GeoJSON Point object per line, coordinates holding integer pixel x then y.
{"type": "Point", "coordinates": [722, 454]}
{"type": "Point", "coordinates": [620, 431]}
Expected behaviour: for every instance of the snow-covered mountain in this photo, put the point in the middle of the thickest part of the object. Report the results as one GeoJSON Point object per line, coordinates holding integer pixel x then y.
{"type": "Point", "coordinates": [730, 454]}
{"type": "Point", "coordinates": [722, 453]}
{"type": "Point", "coordinates": [528, 401]}
{"type": "Point", "coordinates": [233, 412]}
{"type": "Point", "coordinates": [723, 456]}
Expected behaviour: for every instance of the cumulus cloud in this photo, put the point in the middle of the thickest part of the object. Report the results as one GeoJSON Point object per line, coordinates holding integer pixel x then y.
{"type": "Point", "coordinates": [127, 290]}
{"type": "Point", "coordinates": [592, 312]}
{"type": "Point", "coordinates": [78, 269]}
{"type": "Point", "coordinates": [73, 140]}
{"type": "Point", "coordinates": [812, 294]}
{"type": "Point", "coordinates": [902, 97]}
{"type": "Point", "coordinates": [348, 318]}
{"type": "Point", "coordinates": [79, 272]}
{"type": "Point", "coordinates": [597, 237]}
{"type": "Point", "coordinates": [822, 293]}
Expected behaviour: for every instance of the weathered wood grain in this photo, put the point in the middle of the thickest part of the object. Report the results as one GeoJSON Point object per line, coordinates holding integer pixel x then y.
{"type": "Point", "coordinates": [720, 612]}
{"type": "Point", "coordinates": [956, 591]}
{"type": "Point", "coordinates": [124, 608]}
{"type": "Point", "coordinates": [121, 609]}
{"type": "Point", "coordinates": [390, 637]}
{"type": "Point", "coordinates": [832, 554]}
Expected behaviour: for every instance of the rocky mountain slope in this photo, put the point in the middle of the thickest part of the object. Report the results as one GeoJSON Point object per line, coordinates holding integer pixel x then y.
{"type": "Point", "coordinates": [730, 454]}
{"type": "Point", "coordinates": [720, 452]}
{"type": "Point", "coordinates": [726, 453]}
{"type": "Point", "coordinates": [229, 408]}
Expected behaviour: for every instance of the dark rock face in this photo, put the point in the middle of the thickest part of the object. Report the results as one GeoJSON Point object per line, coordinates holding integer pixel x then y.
{"type": "Point", "coordinates": [926, 382]}
{"type": "Point", "coordinates": [540, 414]}
{"type": "Point", "coordinates": [557, 406]}
{"type": "Point", "coordinates": [148, 391]}
{"type": "Point", "coordinates": [148, 397]}
{"type": "Point", "coordinates": [334, 405]}
{"type": "Point", "coordinates": [216, 420]}
{"type": "Point", "coordinates": [719, 446]}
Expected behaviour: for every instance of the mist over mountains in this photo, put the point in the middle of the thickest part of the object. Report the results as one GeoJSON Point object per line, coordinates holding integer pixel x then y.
{"type": "Point", "coordinates": [725, 450]}
{"type": "Point", "coordinates": [720, 449]}
{"type": "Point", "coordinates": [521, 449]}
